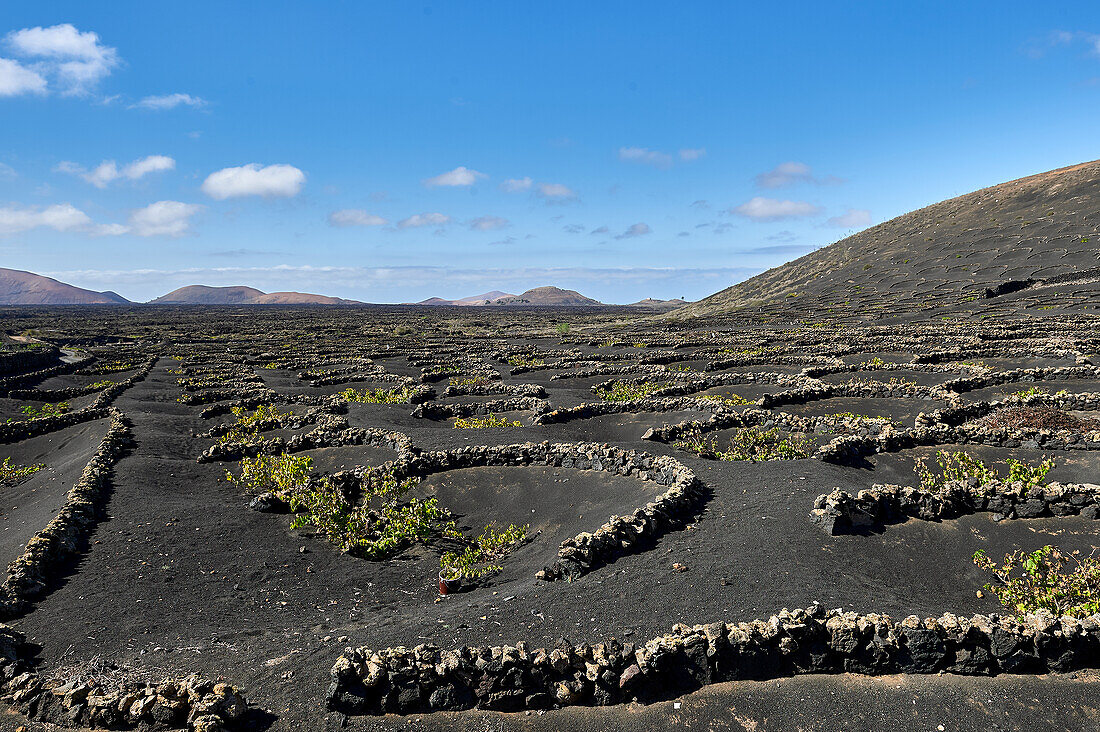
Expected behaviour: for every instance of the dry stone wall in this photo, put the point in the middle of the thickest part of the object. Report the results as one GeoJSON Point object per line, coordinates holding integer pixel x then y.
{"type": "Point", "coordinates": [811, 641]}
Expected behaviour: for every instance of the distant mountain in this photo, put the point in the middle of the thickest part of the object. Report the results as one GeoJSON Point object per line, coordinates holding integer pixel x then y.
{"type": "Point", "coordinates": [548, 296]}
{"type": "Point", "coordinates": [486, 299]}
{"type": "Point", "coordinates": [204, 295]}
{"type": "Point", "coordinates": [299, 298]}
{"type": "Point", "coordinates": [240, 295]}
{"type": "Point", "coordinates": [652, 304]}
{"type": "Point", "coordinates": [26, 288]}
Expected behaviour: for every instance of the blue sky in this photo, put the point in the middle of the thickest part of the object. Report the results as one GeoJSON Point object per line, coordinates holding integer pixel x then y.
{"type": "Point", "coordinates": [389, 152]}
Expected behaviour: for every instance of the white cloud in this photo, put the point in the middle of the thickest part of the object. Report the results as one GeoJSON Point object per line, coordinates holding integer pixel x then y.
{"type": "Point", "coordinates": [792, 173]}
{"type": "Point", "coordinates": [78, 60]}
{"type": "Point", "coordinates": [692, 153]}
{"type": "Point", "coordinates": [354, 217]}
{"type": "Point", "coordinates": [634, 230]}
{"type": "Point", "coordinates": [272, 181]}
{"type": "Point", "coordinates": [101, 175]}
{"type": "Point", "coordinates": [424, 219]}
{"type": "Point", "coordinates": [556, 191]}
{"type": "Point", "coordinates": [489, 223]}
{"type": "Point", "coordinates": [59, 217]}
{"type": "Point", "coordinates": [169, 101]}
{"type": "Point", "coordinates": [515, 185]}
{"type": "Point", "coordinates": [646, 156]}
{"type": "Point", "coordinates": [16, 79]}
{"type": "Point", "coordinates": [150, 164]}
{"type": "Point", "coordinates": [460, 176]}
{"type": "Point", "coordinates": [6, 171]}
{"type": "Point", "coordinates": [853, 218]}
{"type": "Point", "coordinates": [771, 209]}
{"type": "Point", "coordinates": [108, 171]}
{"type": "Point", "coordinates": [163, 218]}
{"type": "Point", "coordinates": [785, 174]}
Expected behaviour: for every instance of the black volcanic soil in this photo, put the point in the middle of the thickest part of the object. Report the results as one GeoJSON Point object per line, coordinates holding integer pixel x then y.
{"type": "Point", "coordinates": [182, 578]}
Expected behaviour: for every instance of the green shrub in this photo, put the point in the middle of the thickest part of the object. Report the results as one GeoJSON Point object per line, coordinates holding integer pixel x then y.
{"type": "Point", "coordinates": [468, 381]}
{"type": "Point", "coordinates": [1045, 579]}
{"type": "Point", "coordinates": [282, 475]}
{"type": "Point", "coordinates": [265, 416]}
{"type": "Point", "coordinates": [750, 444]}
{"type": "Point", "coordinates": [11, 474]}
{"type": "Point", "coordinates": [1036, 391]}
{"type": "Point", "coordinates": [733, 400]}
{"type": "Point", "coordinates": [624, 391]}
{"type": "Point", "coordinates": [958, 466]}
{"type": "Point", "coordinates": [45, 410]}
{"type": "Point", "coordinates": [562, 328]}
{"type": "Point", "coordinates": [473, 561]}
{"type": "Point", "coordinates": [377, 396]}
{"type": "Point", "coordinates": [247, 426]}
{"type": "Point", "coordinates": [526, 362]}
{"type": "Point", "coordinates": [112, 367]}
{"type": "Point", "coordinates": [382, 523]}
{"type": "Point", "coordinates": [474, 423]}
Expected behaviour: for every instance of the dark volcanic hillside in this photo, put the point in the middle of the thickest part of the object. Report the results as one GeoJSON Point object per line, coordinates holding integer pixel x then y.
{"type": "Point", "coordinates": [1037, 228]}
{"type": "Point", "coordinates": [26, 288]}
{"type": "Point", "coordinates": [204, 295]}
{"type": "Point", "coordinates": [548, 296]}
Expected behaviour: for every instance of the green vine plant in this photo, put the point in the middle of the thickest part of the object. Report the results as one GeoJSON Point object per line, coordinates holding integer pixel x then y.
{"type": "Point", "coordinates": [960, 467]}
{"type": "Point", "coordinates": [114, 367]}
{"type": "Point", "coordinates": [11, 474]}
{"type": "Point", "coordinates": [476, 559]}
{"type": "Point", "coordinates": [1036, 391]}
{"type": "Point", "coordinates": [475, 423]}
{"type": "Point", "coordinates": [1061, 583]}
{"type": "Point", "coordinates": [525, 362]}
{"type": "Point", "coordinates": [624, 391]}
{"type": "Point", "coordinates": [382, 522]}
{"type": "Point", "coordinates": [377, 396]}
{"type": "Point", "coordinates": [282, 475]}
{"type": "Point", "coordinates": [247, 426]}
{"type": "Point", "coordinates": [468, 381]}
{"type": "Point", "coordinates": [732, 400]}
{"type": "Point", "coordinates": [750, 444]}
{"type": "Point", "coordinates": [46, 410]}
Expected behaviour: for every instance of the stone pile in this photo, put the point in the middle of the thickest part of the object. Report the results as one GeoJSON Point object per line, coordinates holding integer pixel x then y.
{"type": "Point", "coordinates": [194, 703]}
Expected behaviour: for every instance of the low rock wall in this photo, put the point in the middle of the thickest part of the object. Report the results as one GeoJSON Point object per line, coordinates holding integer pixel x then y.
{"type": "Point", "coordinates": [513, 678]}
{"type": "Point", "coordinates": [620, 534]}
{"type": "Point", "coordinates": [840, 512]}
{"type": "Point", "coordinates": [67, 534]}
{"type": "Point", "coordinates": [193, 703]}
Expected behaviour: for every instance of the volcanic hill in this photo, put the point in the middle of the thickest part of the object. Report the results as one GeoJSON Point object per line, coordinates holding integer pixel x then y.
{"type": "Point", "coordinates": [548, 296]}
{"type": "Point", "coordinates": [205, 295]}
{"type": "Point", "coordinates": [1031, 242]}
{"type": "Point", "coordinates": [26, 288]}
